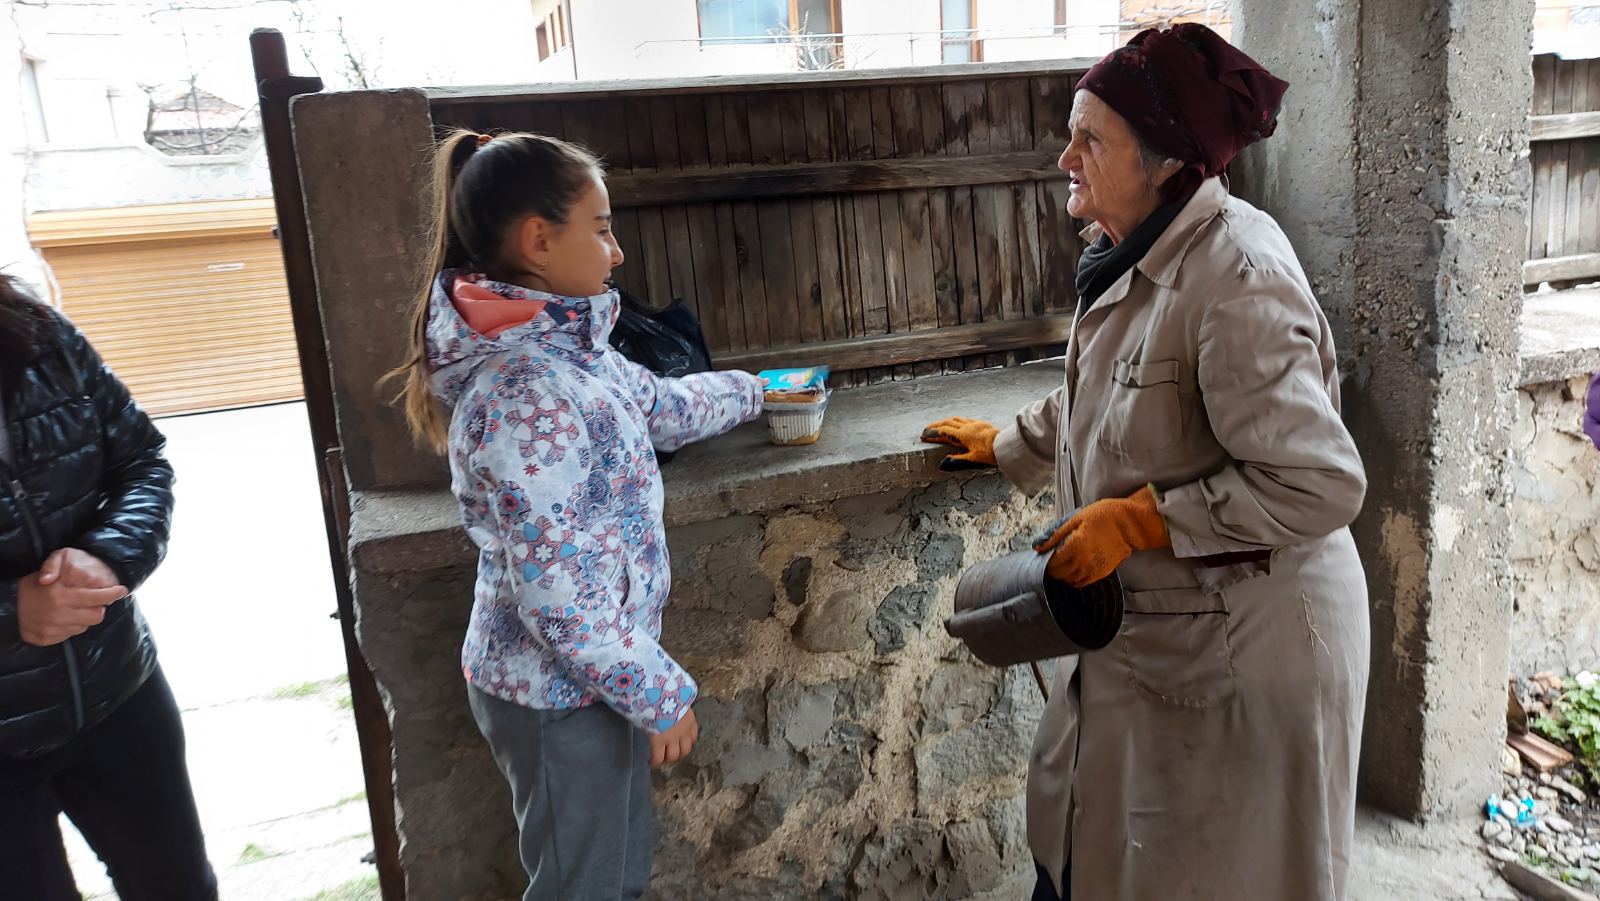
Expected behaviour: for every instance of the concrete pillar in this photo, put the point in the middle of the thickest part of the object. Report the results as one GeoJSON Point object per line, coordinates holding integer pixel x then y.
{"type": "Point", "coordinates": [1399, 172]}
{"type": "Point", "coordinates": [365, 165]}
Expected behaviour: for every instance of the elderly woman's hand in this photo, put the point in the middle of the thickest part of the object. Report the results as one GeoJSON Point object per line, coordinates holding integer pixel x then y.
{"type": "Point", "coordinates": [974, 437]}
{"type": "Point", "coordinates": [1090, 544]}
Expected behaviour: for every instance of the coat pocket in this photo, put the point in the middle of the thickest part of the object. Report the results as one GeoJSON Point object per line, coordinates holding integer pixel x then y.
{"type": "Point", "coordinates": [1144, 413]}
{"type": "Point", "coordinates": [1177, 647]}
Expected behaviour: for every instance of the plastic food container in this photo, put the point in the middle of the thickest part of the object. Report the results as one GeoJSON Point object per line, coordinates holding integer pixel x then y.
{"type": "Point", "coordinates": [795, 423]}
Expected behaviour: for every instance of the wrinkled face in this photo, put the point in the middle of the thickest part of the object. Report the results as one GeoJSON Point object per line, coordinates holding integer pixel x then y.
{"type": "Point", "coordinates": [1109, 182]}
{"type": "Point", "coordinates": [575, 259]}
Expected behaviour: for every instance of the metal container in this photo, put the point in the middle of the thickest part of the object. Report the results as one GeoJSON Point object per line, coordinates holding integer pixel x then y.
{"type": "Point", "coordinates": [1008, 611]}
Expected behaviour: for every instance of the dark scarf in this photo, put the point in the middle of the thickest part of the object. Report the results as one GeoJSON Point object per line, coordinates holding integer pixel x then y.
{"type": "Point", "coordinates": [1102, 262]}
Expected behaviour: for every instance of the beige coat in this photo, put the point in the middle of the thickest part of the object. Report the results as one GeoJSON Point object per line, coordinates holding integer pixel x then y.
{"type": "Point", "coordinates": [1210, 752]}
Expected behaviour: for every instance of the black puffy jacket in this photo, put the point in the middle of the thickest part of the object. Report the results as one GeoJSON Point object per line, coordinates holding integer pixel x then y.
{"type": "Point", "coordinates": [86, 471]}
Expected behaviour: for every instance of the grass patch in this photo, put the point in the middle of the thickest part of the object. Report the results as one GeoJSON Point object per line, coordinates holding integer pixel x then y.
{"type": "Point", "coordinates": [351, 799]}
{"type": "Point", "coordinates": [363, 889]}
{"type": "Point", "coordinates": [307, 689]}
{"type": "Point", "coordinates": [254, 853]}
{"type": "Point", "coordinates": [1574, 722]}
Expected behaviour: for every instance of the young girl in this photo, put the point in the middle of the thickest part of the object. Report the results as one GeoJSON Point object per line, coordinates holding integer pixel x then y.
{"type": "Point", "coordinates": [550, 438]}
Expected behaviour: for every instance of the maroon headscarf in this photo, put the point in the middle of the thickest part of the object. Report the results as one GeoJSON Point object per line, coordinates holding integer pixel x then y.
{"type": "Point", "coordinates": [1191, 95]}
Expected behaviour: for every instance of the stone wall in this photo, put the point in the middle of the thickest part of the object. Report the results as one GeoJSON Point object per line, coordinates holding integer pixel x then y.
{"type": "Point", "coordinates": [849, 748]}
{"type": "Point", "coordinates": [1555, 515]}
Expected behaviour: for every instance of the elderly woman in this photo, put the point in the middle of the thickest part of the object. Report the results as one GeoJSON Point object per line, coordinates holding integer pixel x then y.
{"type": "Point", "coordinates": [1210, 751]}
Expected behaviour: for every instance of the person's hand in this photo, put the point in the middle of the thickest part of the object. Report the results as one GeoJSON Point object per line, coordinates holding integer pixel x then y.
{"type": "Point", "coordinates": [76, 568]}
{"type": "Point", "coordinates": [974, 437]}
{"type": "Point", "coordinates": [1090, 544]}
{"type": "Point", "coordinates": [66, 597]}
{"type": "Point", "coordinates": [674, 744]}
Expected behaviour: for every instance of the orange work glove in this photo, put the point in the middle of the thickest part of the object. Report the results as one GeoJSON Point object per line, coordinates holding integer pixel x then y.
{"type": "Point", "coordinates": [974, 437]}
{"type": "Point", "coordinates": [1090, 544]}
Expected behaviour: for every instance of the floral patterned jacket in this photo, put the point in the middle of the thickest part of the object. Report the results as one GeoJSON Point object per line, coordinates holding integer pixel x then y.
{"type": "Point", "coordinates": [551, 460]}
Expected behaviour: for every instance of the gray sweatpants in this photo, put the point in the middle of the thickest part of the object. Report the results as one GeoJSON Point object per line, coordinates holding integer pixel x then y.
{"type": "Point", "coordinates": [580, 789]}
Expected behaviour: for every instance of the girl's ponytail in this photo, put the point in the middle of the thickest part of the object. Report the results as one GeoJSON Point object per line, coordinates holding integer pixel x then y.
{"type": "Point", "coordinates": [515, 176]}
{"type": "Point", "coordinates": [423, 411]}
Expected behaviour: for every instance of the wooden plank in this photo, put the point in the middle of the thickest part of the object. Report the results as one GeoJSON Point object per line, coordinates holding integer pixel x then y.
{"type": "Point", "coordinates": [874, 312]}
{"type": "Point", "coordinates": [1059, 245]}
{"type": "Point", "coordinates": [941, 233]}
{"type": "Point", "coordinates": [747, 230]}
{"type": "Point", "coordinates": [798, 180]}
{"type": "Point", "coordinates": [1577, 162]}
{"type": "Point", "coordinates": [611, 133]}
{"type": "Point", "coordinates": [1543, 755]}
{"type": "Point", "coordinates": [888, 350]}
{"type": "Point", "coordinates": [890, 221]}
{"type": "Point", "coordinates": [1544, 84]}
{"type": "Point", "coordinates": [444, 97]}
{"type": "Point", "coordinates": [986, 227]}
{"type": "Point", "coordinates": [825, 216]}
{"type": "Point", "coordinates": [663, 124]}
{"type": "Point", "coordinates": [968, 273]}
{"type": "Point", "coordinates": [849, 244]}
{"type": "Point", "coordinates": [922, 303]}
{"type": "Point", "coordinates": [1025, 200]}
{"type": "Point", "coordinates": [694, 152]}
{"type": "Point", "coordinates": [1538, 886]}
{"type": "Point", "coordinates": [728, 313]}
{"type": "Point", "coordinates": [1008, 241]}
{"type": "Point", "coordinates": [1003, 138]}
{"type": "Point", "coordinates": [1561, 269]}
{"type": "Point", "coordinates": [1564, 126]}
{"type": "Point", "coordinates": [802, 222]}
{"type": "Point", "coordinates": [1541, 158]}
{"type": "Point", "coordinates": [1560, 155]}
{"type": "Point", "coordinates": [652, 228]}
{"type": "Point", "coordinates": [1589, 237]}
{"type": "Point", "coordinates": [777, 237]}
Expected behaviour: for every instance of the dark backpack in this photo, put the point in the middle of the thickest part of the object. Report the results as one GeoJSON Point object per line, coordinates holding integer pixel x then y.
{"type": "Point", "coordinates": [667, 342]}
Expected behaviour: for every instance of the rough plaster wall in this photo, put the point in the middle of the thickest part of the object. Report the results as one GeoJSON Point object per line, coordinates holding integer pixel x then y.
{"type": "Point", "coordinates": [1400, 175]}
{"type": "Point", "coordinates": [1555, 517]}
{"type": "Point", "coordinates": [849, 748]}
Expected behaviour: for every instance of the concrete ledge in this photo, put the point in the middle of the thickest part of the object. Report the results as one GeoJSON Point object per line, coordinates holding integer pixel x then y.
{"type": "Point", "coordinates": [869, 445]}
{"type": "Point", "coordinates": [1560, 336]}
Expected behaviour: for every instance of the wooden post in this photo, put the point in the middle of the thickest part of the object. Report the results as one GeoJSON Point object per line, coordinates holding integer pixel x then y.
{"type": "Point", "coordinates": [275, 88]}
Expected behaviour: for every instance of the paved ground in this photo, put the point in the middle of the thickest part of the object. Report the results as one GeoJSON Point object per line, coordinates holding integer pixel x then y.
{"type": "Point", "coordinates": [1396, 860]}
{"type": "Point", "coordinates": [240, 613]}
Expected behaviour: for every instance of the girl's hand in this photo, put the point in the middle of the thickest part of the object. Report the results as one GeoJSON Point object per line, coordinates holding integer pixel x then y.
{"type": "Point", "coordinates": [673, 745]}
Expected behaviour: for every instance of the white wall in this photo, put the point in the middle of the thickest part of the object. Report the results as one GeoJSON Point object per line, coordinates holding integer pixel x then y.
{"type": "Point", "coordinates": [660, 39]}
{"type": "Point", "coordinates": [16, 254]}
{"type": "Point", "coordinates": [1018, 29]}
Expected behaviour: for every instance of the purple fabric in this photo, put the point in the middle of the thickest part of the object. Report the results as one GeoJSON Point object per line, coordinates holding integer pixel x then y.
{"type": "Point", "coordinates": [1191, 95]}
{"type": "Point", "coordinates": [1591, 411]}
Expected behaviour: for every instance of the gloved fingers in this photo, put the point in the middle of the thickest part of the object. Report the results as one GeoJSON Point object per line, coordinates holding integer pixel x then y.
{"type": "Point", "coordinates": [932, 435]}
{"type": "Point", "coordinates": [1058, 534]}
{"type": "Point", "coordinates": [1079, 562]}
{"type": "Point", "coordinates": [960, 462]}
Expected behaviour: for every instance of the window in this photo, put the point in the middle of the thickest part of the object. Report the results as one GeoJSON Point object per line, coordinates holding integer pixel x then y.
{"type": "Point", "coordinates": [959, 23]}
{"type": "Point", "coordinates": [754, 20]}
{"type": "Point", "coordinates": [766, 21]}
{"type": "Point", "coordinates": [552, 34]}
